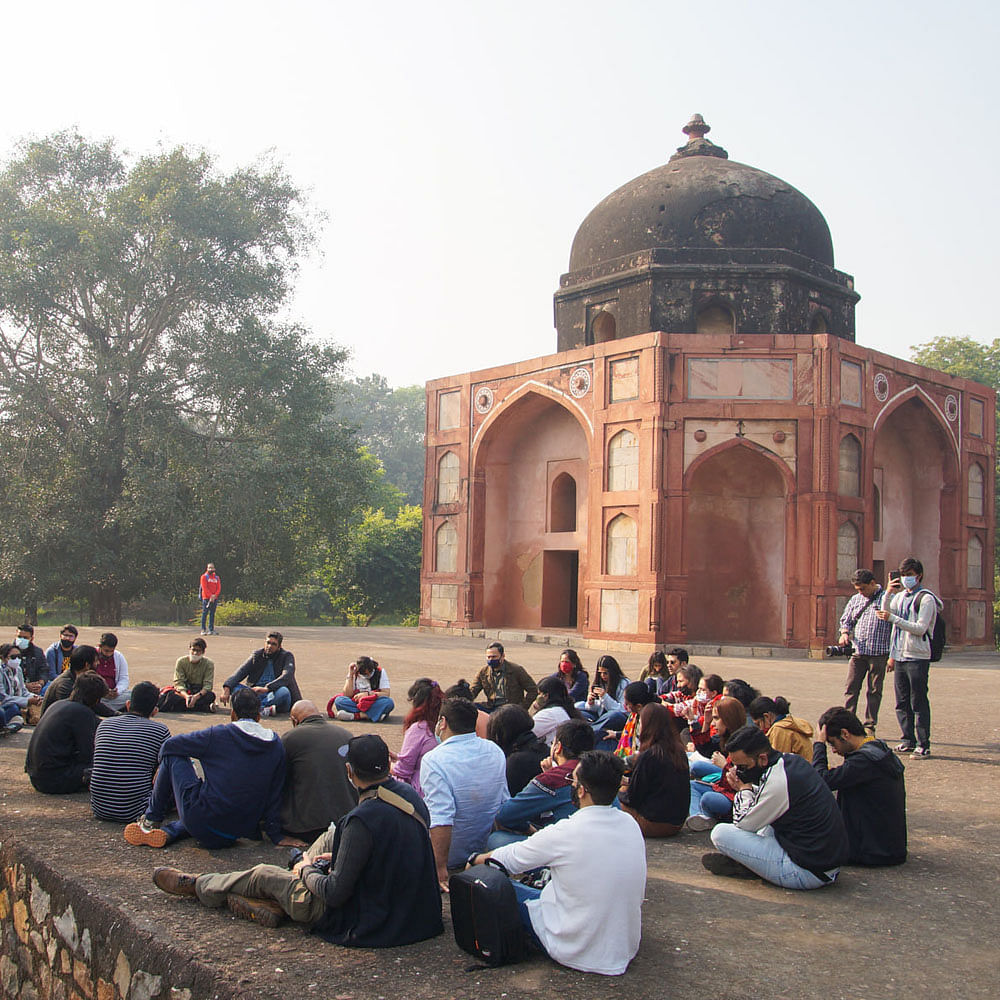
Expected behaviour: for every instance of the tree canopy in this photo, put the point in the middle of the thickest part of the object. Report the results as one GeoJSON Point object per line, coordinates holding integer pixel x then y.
{"type": "Point", "coordinates": [157, 414]}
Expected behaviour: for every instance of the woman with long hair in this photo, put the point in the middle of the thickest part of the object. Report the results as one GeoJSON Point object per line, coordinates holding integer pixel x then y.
{"type": "Point", "coordinates": [606, 692]}
{"type": "Point", "coordinates": [712, 800]}
{"type": "Point", "coordinates": [572, 674]}
{"type": "Point", "coordinates": [658, 793]}
{"type": "Point", "coordinates": [511, 728]}
{"type": "Point", "coordinates": [555, 708]}
{"type": "Point", "coordinates": [418, 730]}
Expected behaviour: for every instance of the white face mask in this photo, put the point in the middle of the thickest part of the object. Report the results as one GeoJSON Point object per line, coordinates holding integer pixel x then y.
{"type": "Point", "coordinates": [195, 657]}
{"type": "Point", "coordinates": [702, 696]}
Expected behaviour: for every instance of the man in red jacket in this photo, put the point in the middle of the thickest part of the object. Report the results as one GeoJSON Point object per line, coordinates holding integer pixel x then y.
{"type": "Point", "coordinates": [209, 591]}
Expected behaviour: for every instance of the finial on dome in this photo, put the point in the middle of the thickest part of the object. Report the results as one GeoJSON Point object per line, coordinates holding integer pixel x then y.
{"type": "Point", "coordinates": [697, 144]}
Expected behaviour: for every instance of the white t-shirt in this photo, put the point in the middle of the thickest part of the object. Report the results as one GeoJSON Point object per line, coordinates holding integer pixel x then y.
{"type": "Point", "coordinates": [592, 930]}
{"type": "Point", "coordinates": [548, 720]}
{"type": "Point", "coordinates": [364, 684]}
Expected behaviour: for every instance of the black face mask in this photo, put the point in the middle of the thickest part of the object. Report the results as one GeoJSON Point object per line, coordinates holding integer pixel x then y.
{"type": "Point", "coordinates": [750, 775]}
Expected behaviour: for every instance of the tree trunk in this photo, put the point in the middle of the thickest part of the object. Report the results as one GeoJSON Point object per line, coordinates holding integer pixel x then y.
{"type": "Point", "coordinates": [31, 611]}
{"type": "Point", "coordinates": [105, 605]}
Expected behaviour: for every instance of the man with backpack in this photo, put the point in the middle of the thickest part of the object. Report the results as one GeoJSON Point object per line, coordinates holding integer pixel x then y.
{"type": "Point", "coordinates": [913, 612]}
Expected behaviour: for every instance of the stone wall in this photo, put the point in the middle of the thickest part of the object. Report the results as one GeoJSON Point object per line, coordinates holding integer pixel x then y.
{"type": "Point", "coordinates": [61, 943]}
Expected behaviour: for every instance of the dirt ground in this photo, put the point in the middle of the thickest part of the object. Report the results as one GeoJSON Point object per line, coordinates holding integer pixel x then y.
{"type": "Point", "coordinates": [926, 929]}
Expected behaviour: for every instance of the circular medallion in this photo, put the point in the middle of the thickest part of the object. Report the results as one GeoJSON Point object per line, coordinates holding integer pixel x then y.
{"type": "Point", "coordinates": [579, 382]}
{"type": "Point", "coordinates": [484, 399]}
{"type": "Point", "coordinates": [881, 387]}
{"type": "Point", "coordinates": [951, 408]}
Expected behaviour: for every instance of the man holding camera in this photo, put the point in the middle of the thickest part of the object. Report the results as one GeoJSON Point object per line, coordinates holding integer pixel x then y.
{"type": "Point", "coordinates": [871, 645]}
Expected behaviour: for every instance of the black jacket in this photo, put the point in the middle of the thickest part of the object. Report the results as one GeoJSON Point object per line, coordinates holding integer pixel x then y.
{"type": "Point", "coordinates": [872, 797]}
{"type": "Point", "coordinates": [284, 668]}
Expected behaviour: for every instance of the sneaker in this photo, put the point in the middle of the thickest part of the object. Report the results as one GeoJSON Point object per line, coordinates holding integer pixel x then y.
{"type": "Point", "coordinates": [174, 881]}
{"type": "Point", "coordinates": [344, 716]}
{"type": "Point", "coordinates": [146, 834]}
{"type": "Point", "coordinates": [213, 632]}
{"type": "Point", "coordinates": [15, 724]}
{"type": "Point", "coordinates": [267, 711]}
{"type": "Point", "coordinates": [260, 911]}
{"type": "Point", "coordinates": [905, 748]}
{"type": "Point", "coordinates": [721, 864]}
{"type": "Point", "coordinates": [922, 752]}
{"type": "Point", "coordinates": [699, 823]}
{"type": "Point", "coordinates": [203, 632]}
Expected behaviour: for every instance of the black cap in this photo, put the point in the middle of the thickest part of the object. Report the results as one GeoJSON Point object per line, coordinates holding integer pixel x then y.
{"type": "Point", "coordinates": [367, 754]}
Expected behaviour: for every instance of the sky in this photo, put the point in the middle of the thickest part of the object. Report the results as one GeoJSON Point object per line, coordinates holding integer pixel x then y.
{"type": "Point", "coordinates": [449, 150]}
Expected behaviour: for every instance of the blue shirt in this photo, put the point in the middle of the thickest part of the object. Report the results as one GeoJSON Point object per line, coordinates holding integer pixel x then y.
{"type": "Point", "coordinates": [464, 781]}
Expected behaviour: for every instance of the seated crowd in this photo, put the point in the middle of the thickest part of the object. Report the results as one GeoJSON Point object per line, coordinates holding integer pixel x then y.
{"type": "Point", "coordinates": [541, 777]}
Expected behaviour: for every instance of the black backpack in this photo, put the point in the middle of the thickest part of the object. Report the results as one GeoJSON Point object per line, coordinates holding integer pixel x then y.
{"type": "Point", "coordinates": [485, 916]}
{"type": "Point", "coordinates": [938, 635]}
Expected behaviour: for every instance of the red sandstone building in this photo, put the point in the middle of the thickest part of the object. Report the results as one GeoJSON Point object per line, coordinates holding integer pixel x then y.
{"type": "Point", "coordinates": [717, 481]}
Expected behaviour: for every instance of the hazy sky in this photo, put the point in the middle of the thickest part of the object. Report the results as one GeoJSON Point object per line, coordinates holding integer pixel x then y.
{"type": "Point", "coordinates": [454, 147]}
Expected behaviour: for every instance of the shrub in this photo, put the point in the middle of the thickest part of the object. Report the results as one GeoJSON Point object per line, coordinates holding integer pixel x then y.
{"type": "Point", "coordinates": [239, 612]}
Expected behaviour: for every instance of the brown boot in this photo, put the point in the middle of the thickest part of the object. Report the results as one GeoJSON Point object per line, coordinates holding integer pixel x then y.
{"type": "Point", "coordinates": [265, 912]}
{"type": "Point", "coordinates": [174, 881]}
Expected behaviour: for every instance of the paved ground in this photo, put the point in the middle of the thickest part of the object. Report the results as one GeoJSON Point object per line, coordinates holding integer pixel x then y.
{"type": "Point", "coordinates": [927, 929]}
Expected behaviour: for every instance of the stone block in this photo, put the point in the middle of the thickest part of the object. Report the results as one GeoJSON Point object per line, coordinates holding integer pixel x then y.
{"type": "Point", "coordinates": [40, 902]}
{"type": "Point", "coordinates": [737, 651]}
{"type": "Point", "coordinates": [58, 990]}
{"type": "Point", "coordinates": [180, 994]}
{"type": "Point", "coordinates": [65, 962]}
{"type": "Point", "coordinates": [28, 992]}
{"type": "Point", "coordinates": [4, 904]}
{"type": "Point", "coordinates": [105, 990]}
{"type": "Point", "coordinates": [81, 976]}
{"type": "Point", "coordinates": [37, 942]}
{"type": "Point", "coordinates": [9, 977]}
{"type": "Point", "coordinates": [123, 975]}
{"type": "Point", "coordinates": [50, 950]}
{"type": "Point", "coordinates": [21, 920]}
{"type": "Point", "coordinates": [66, 926]}
{"type": "Point", "coordinates": [762, 651]}
{"type": "Point", "coordinates": [85, 943]}
{"type": "Point", "coordinates": [145, 986]}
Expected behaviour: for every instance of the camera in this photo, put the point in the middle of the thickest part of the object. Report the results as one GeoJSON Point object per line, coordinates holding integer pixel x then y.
{"type": "Point", "coordinates": [847, 650]}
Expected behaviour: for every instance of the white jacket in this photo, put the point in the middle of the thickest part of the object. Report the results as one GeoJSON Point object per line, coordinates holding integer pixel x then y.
{"type": "Point", "coordinates": [913, 617]}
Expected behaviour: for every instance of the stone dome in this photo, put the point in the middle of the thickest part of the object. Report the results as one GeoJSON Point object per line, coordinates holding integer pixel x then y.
{"type": "Point", "coordinates": [701, 200]}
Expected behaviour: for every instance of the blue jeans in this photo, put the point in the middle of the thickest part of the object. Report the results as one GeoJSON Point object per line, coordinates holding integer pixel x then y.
{"type": "Point", "coordinates": [9, 710]}
{"type": "Point", "coordinates": [912, 703]}
{"type": "Point", "coordinates": [208, 611]}
{"type": "Point", "coordinates": [761, 853]}
{"type": "Point", "coordinates": [708, 802]}
{"type": "Point", "coordinates": [378, 709]}
{"type": "Point", "coordinates": [501, 838]}
{"type": "Point", "coordinates": [702, 767]}
{"type": "Point", "coordinates": [524, 893]}
{"type": "Point", "coordinates": [177, 787]}
{"type": "Point", "coordinates": [607, 720]}
{"type": "Point", "coordinates": [281, 699]}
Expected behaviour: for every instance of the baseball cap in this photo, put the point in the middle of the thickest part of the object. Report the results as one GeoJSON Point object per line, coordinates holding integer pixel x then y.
{"type": "Point", "coordinates": [367, 754]}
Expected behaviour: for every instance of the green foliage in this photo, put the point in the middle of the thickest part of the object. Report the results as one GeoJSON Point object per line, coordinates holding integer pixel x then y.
{"type": "Point", "coordinates": [390, 423]}
{"type": "Point", "coordinates": [305, 603]}
{"type": "Point", "coordinates": [378, 571]}
{"type": "Point", "coordinates": [156, 415]}
{"type": "Point", "coordinates": [237, 612]}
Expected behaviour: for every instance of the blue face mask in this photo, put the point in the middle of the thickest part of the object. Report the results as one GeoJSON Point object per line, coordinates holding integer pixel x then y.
{"type": "Point", "coordinates": [909, 582]}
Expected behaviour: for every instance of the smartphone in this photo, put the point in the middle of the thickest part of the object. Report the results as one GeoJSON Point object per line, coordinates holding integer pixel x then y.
{"type": "Point", "coordinates": [894, 575]}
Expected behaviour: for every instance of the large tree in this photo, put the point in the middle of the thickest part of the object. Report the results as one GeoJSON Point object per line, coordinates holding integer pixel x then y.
{"type": "Point", "coordinates": [156, 414]}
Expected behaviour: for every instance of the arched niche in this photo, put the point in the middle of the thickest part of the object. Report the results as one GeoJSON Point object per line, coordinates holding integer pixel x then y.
{"type": "Point", "coordinates": [623, 462]}
{"type": "Point", "coordinates": [562, 503]}
{"type": "Point", "coordinates": [621, 547]}
{"type": "Point", "coordinates": [849, 466]}
{"type": "Point", "coordinates": [448, 478]}
{"type": "Point", "coordinates": [974, 564]}
{"type": "Point", "coordinates": [848, 551]}
{"type": "Point", "coordinates": [446, 548]}
{"type": "Point", "coordinates": [603, 327]}
{"type": "Point", "coordinates": [977, 489]}
{"type": "Point", "coordinates": [715, 318]}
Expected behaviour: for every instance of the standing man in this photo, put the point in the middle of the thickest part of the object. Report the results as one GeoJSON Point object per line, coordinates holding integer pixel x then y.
{"type": "Point", "coordinates": [33, 662]}
{"type": "Point", "coordinates": [871, 645]}
{"type": "Point", "coordinates": [503, 682]}
{"type": "Point", "coordinates": [209, 590]}
{"type": "Point", "coordinates": [912, 610]}
{"type": "Point", "coordinates": [270, 672]}
{"type": "Point", "coordinates": [58, 654]}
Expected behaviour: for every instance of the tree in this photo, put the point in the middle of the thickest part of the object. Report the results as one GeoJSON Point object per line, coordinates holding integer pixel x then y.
{"type": "Point", "coordinates": [379, 571]}
{"type": "Point", "coordinates": [155, 413]}
{"type": "Point", "coordinates": [390, 423]}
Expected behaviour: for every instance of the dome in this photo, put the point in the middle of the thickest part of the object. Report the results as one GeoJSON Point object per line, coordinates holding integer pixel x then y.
{"type": "Point", "coordinates": [702, 200]}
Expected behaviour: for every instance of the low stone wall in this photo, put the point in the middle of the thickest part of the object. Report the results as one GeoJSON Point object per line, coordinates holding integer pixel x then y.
{"type": "Point", "coordinates": [61, 943]}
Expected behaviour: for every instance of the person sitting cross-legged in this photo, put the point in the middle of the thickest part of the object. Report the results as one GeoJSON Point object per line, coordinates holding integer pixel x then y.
{"type": "Point", "coordinates": [786, 825]}
{"type": "Point", "coordinates": [365, 697]}
{"type": "Point", "coordinates": [580, 925]}
{"type": "Point", "coordinates": [244, 767]}
{"type": "Point", "coordinates": [382, 890]}
{"type": "Point", "coordinates": [194, 675]}
{"type": "Point", "coordinates": [270, 673]}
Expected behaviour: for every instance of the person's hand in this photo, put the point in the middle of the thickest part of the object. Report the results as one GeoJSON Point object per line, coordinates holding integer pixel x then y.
{"type": "Point", "coordinates": [443, 881]}
{"type": "Point", "coordinates": [547, 764]}
{"type": "Point", "coordinates": [733, 780]}
{"type": "Point", "coordinates": [393, 756]}
{"type": "Point", "coordinates": [190, 699]}
{"type": "Point", "coordinates": [821, 734]}
{"type": "Point", "coordinates": [690, 747]}
{"type": "Point", "coordinates": [719, 759]}
{"type": "Point", "coordinates": [260, 690]}
{"type": "Point", "coordinates": [225, 696]}
{"type": "Point", "coordinates": [884, 615]}
{"type": "Point", "coordinates": [610, 734]}
{"type": "Point", "coordinates": [845, 638]}
{"type": "Point", "coordinates": [357, 698]}
{"type": "Point", "coordinates": [34, 699]}
{"type": "Point", "coordinates": [287, 841]}
{"type": "Point", "coordinates": [890, 665]}
{"type": "Point", "coordinates": [895, 585]}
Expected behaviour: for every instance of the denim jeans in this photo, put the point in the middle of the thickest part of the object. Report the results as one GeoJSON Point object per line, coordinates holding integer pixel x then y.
{"type": "Point", "coordinates": [176, 787]}
{"type": "Point", "coordinates": [208, 611]}
{"type": "Point", "coordinates": [701, 767]}
{"type": "Point", "coordinates": [9, 710]}
{"type": "Point", "coordinates": [524, 893]}
{"type": "Point", "coordinates": [281, 699]}
{"type": "Point", "coordinates": [708, 802]}
{"type": "Point", "coordinates": [912, 703]}
{"type": "Point", "coordinates": [378, 709]}
{"type": "Point", "coordinates": [761, 853]}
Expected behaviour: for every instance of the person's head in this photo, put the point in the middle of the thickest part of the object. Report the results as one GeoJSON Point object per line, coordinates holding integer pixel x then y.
{"type": "Point", "coordinates": [688, 678]}
{"type": "Point", "coordinates": [245, 704]}
{"type": "Point", "coordinates": [458, 716]}
{"type": "Point", "coordinates": [508, 726]}
{"type": "Point", "coordinates": [88, 688]}
{"type": "Point", "coordinates": [569, 662]}
{"type": "Point", "coordinates": [367, 760]}
{"type": "Point", "coordinates": [728, 715]}
{"type": "Point", "coordinates": [366, 665]}
{"type": "Point", "coordinates": [210, 568]}
{"type": "Point", "coordinates": [196, 649]}
{"type": "Point", "coordinates": [67, 635]}
{"type": "Point", "coordinates": [555, 694]}
{"type": "Point", "coordinates": [844, 731]}
{"type": "Point", "coordinates": [740, 690]}
{"type": "Point", "coordinates": [709, 687]}
{"type": "Point", "coordinates": [10, 653]}
{"type": "Point", "coordinates": [107, 644]}
{"type": "Point", "coordinates": [764, 712]}
{"type": "Point", "coordinates": [607, 673]}
{"type": "Point", "coordinates": [25, 635]}
{"type": "Point", "coordinates": [675, 658]}
{"type": "Point", "coordinates": [597, 778]}
{"type": "Point", "coordinates": [272, 642]}
{"type": "Point", "coordinates": [82, 659]}
{"type": "Point", "coordinates": [748, 748]}
{"type": "Point", "coordinates": [460, 689]}
{"type": "Point", "coordinates": [636, 695]}
{"type": "Point", "coordinates": [143, 699]}
{"type": "Point", "coordinates": [659, 731]}
{"type": "Point", "coordinates": [302, 710]}
{"type": "Point", "coordinates": [864, 582]}
{"type": "Point", "coordinates": [426, 696]}
{"type": "Point", "coordinates": [494, 654]}
{"type": "Point", "coordinates": [573, 739]}
{"type": "Point", "coordinates": [657, 664]}
{"type": "Point", "coordinates": [911, 572]}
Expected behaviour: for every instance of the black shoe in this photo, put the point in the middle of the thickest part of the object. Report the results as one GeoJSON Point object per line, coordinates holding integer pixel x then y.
{"type": "Point", "coordinates": [721, 864]}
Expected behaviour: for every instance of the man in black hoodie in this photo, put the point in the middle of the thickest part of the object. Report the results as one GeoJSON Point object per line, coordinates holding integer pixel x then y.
{"type": "Point", "coordinates": [869, 786]}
